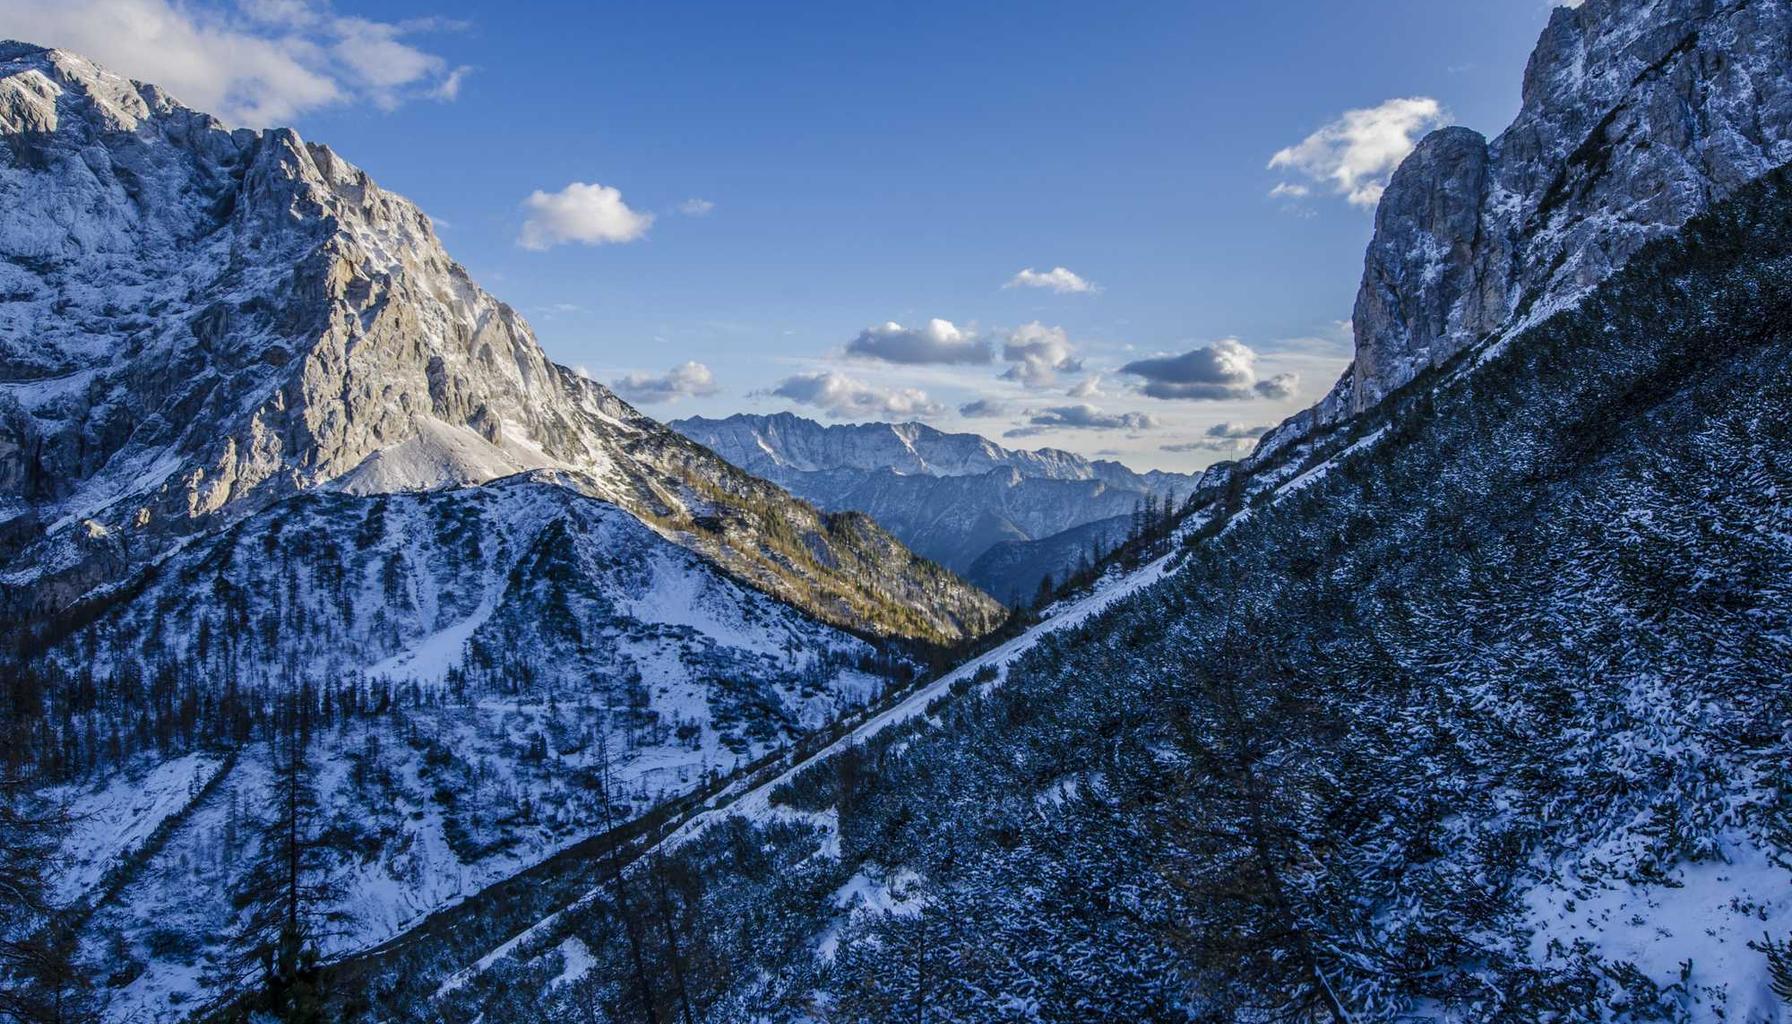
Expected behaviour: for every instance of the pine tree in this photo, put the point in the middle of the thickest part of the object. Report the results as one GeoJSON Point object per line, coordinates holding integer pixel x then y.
{"type": "Point", "coordinates": [660, 870]}
{"type": "Point", "coordinates": [1242, 828]}
{"type": "Point", "coordinates": [39, 982]}
{"type": "Point", "coordinates": [1779, 966]}
{"type": "Point", "coordinates": [283, 898]}
{"type": "Point", "coordinates": [619, 891]}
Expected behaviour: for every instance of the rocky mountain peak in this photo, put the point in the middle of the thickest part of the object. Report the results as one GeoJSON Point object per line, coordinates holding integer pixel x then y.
{"type": "Point", "coordinates": [1636, 116]}
{"type": "Point", "coordinates": [204, 321]}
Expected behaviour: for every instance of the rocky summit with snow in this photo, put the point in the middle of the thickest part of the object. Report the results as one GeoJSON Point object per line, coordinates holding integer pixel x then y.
{"type": "Point", "coordinates": [1637, 115]}
{"type": "Point", "coordinates": [202, 322]}
{"type": "Point", "coordinates": [384, 672]}
{"type": "Point", "coordinates": [1003, 519]}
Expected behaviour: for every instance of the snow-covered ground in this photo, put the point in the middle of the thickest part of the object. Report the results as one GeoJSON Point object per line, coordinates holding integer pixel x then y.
{"type": "Point", "coordinates": [755, 803]}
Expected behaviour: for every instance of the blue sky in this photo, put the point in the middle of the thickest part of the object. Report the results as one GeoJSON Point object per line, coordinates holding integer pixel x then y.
{"type": "Point", "coordinates": [864, 165]}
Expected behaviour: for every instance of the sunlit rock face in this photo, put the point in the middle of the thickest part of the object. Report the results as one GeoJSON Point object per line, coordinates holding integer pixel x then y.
{"type": "Point", "coordinates": [1636, 116]}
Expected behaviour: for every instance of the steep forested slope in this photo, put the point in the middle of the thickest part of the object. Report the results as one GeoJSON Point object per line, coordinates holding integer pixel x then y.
{"type": "Point", "coordinates": [1484, 719]}
{"type": "Point", "coordinates": [482, 677]}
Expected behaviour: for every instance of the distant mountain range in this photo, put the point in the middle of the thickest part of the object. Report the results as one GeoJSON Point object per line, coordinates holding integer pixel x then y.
{"type": "Point", "coordinates": [1001, 518]}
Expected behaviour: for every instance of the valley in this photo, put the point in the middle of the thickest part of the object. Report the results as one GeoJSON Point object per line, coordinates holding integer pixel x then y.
{"type": "Point", "coordinates": [364, 663]}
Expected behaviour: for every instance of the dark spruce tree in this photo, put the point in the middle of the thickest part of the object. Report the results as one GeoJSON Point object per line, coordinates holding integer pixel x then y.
{"type": "Point", "coordinates": [282, 896]}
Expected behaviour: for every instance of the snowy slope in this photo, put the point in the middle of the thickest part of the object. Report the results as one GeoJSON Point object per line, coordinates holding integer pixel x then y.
{"type": "Point", "coordinates": [754, 803]}
{"type": "Point", "coordinates": [518, 635]}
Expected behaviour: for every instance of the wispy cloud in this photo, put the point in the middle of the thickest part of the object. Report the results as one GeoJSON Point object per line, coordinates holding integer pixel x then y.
{"type": "Point", "coordinates": [1081, 417]}
{"type": "Point", "coordinates": [256, 63]}
{"type": "Point", "coordinates": [695, 207]}
{"type": "Point", "coordinates": [1058, 279]}
{"type": "Point", "coordinates": [1356, 154]}
{"type": "Point", "coordinates": [1281, 387]}
{"type": "Point", "coordinates": [1221, 437]}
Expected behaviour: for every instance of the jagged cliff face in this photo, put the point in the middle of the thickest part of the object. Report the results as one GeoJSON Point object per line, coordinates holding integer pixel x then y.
{"type": "Point", "coordinates": [1636, 116]}
{"type": "Point", "coordinates": [201, 322]}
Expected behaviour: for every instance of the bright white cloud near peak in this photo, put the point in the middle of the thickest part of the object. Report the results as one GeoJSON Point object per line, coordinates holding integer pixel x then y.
{"type": "Point", "coordinates": [1356, 154]}
{"type": "Point", "coordinates": [1058, 279]}
{"type": "Point", "coordinates": [584, 213]}
{"type": "Point", "coordinates": [257, 63]}
{"type": "Point", "coordinates": [1038, 354]}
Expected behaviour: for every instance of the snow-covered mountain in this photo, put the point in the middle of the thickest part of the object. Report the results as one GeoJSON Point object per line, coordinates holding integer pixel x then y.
{"type": "Point", "coordinates": [280, 485]}
{"type": "Point", "coordinates": [483, 665]}
{"type": "Point", "coordinates": [950, 497]}
{"type": "Point", "coordinates": [201, 322]}
{"type": "Point", "coordinates": [1465, 698]}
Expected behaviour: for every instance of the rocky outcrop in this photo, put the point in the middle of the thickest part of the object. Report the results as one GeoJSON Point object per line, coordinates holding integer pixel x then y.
{"type": "Point", "coordinates": [1637, 115]}
{"type": "Point", "coordinates": [201, 322]}
{"type": "Point", "coordinates": [1430, 278]}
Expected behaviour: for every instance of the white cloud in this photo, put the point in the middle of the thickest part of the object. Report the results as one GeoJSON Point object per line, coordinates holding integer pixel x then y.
{"type": "Point", "coordinates": [259, 63]}
{"type": "Point", "coordinates": [1058, 279]}
{"type": "Point", "coordinates": [1088, 387]}
{"type": "Point", "coordinates": [694, 207]}
{"type": "Point", "coordinates": [1289, 190]}
{"type": "Point", "coordinates": [583, 213]}
{"type": "Point", "coordinates": [686, 380]}
{"type": "Point", "coordinates": [1081, 417]}
{"type": "Point", "coordinates": [940, 341]}
{"type": "Point", "coordinates": [843, 397]}
{"type": "Point", "coordinates": [1039, 353]}
{"type": "Point", "coordinates": [982, 408]}
{"type": "Point", "coordinates": [1355, 154]}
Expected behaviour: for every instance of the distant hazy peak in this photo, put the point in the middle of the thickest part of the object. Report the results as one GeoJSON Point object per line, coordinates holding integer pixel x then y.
{"type": "Point", "coordinates": [760, 443]}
